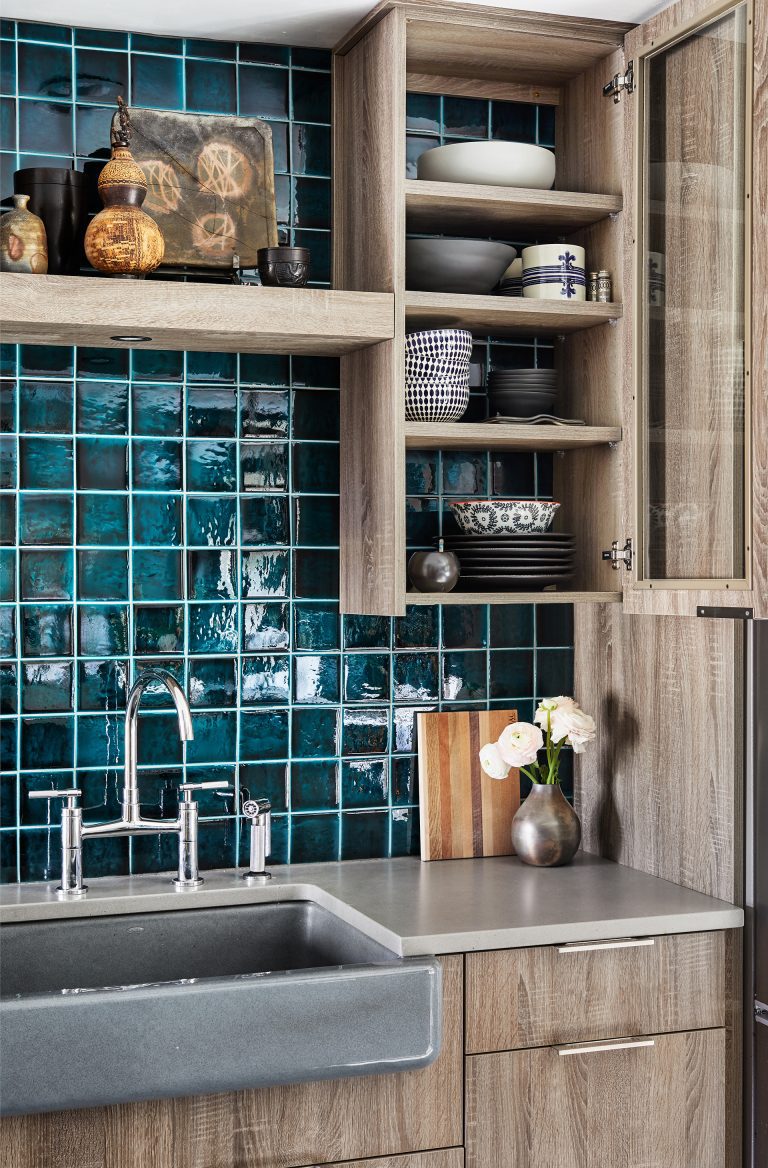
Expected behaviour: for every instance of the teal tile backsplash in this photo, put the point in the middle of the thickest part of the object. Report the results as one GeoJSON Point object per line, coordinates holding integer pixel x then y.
{"type": "Point", "coordinates": [182, 509]}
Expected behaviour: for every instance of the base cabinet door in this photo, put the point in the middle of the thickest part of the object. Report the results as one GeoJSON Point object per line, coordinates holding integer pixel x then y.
{"type": "Point", "coordinates": [651, 1102]}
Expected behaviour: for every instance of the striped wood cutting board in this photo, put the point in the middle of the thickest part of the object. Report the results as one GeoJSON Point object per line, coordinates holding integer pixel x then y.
{"type": "Point", "coordinates": [463, 812]}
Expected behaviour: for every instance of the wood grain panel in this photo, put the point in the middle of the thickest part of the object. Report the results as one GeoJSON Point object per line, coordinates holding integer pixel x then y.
{"type": "Point", "coordinates": [494, 436]}
{"type": "Point", "coordinates": [466, 208]}
{"type": "Point", "coordinates": [503, 316]}
{"type": "Point", "coordinates": [464, 813]}
{"type": "Point", "coordinates": [448, 1158]}
{"type": "Point", "coordinates": [661, 791]}
{"type": "Point", "coordinates": [72, 310]}
{"type": "Point", "coordinates": [524, 997]}
{"type": "Point", "coordinates": [495, 90]}
{"type": "Point", "coordinates": [563, 597]}
{"type": "Point", "coordinates": [659, 1106]}
{"type": "Point", "coordinates": [368, 253]}
{"type": "Point", "coordinates": [280, 1127]}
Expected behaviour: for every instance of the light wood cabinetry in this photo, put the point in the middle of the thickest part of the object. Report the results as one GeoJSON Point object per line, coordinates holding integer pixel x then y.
{"type": "Point", "coordinates": [656, 1101]}
{"type": "Point", "coordinates": [448, 1158]}
{"type": "Point", "coordinates": [525, 997]}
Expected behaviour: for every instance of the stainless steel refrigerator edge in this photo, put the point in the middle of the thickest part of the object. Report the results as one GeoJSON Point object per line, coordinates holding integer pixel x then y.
{"type": "Point", "coordinates": [756, 900]}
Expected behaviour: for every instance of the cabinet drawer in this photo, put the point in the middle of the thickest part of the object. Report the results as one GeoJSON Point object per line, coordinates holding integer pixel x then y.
{"type": "Point", "coordinates": [655, 1102]}
{"type": "Point", "coordinates": [602, 989]}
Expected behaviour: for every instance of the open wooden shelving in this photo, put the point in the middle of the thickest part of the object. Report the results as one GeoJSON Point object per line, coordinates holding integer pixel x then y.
{"type": "Point", "coordinates": [563, 597]}
{"type": "Point", "coordinates": [467, 209]}
{"type": "Point", "coordinates": [500, 436]}
{"type": "Point", "coordinates": [504, 316]}
{"type": "Point", "coordinates": [78, 310]}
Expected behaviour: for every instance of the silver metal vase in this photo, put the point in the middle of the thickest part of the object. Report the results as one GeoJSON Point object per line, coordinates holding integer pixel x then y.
{"type": "Point", "coordinates": [546, 831]}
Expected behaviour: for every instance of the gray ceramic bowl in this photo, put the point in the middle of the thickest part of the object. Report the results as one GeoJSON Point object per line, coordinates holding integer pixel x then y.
{"type": "Point", "coordinates": [472, 266]}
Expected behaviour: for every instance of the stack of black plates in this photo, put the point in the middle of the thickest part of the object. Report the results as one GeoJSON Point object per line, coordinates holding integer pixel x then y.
{"type": "Point", "coordinates": [522, 392]}
{"type": "Point", "coordinates": [527, 560]}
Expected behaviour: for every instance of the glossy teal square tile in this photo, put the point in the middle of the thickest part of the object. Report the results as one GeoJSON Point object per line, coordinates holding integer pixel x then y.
{"type": "Point", "coordinates": [102, 685]}
{"type": "Point", "coordinates": [103, 519]}
{"type": "Point", "coordinates": [315, 372]}
{"type": "Point", "coordinates": [465, 676]}
{"type": "Point", "coordinates": [265, 781]}
{"type": "Point", "coordinates": [316, 678]}
{"type": "Point", "coordinates": [212, 575]}
{"type": "Point", "coordinates": [311, 58]}
{"type": "Point", "coordinates": [215, 738]}
{"type": "Point", "coordinates": [8, 558]}
{"type": "Point", "coordinates": [554, 672]}
{"type": "Point", "coordinates": [311, 150]}
{"type": "Point", "coordinates": [45, 519]}
{"type": "Point", "coordinates": [415, 677]}
{"type": "Point", "coordinates": [145, 43]}
{"type": "Point", "coordinates": [513, 476]}
{"type": "Point", "coordinates": [314, 838]}
{"type": "Point", "coordinates": [511, 672]}
{"type": "Point", "coordinates": [315, 732]}
{"type": "Point", "coordinates": [465, 117]}
{"type": "Point", "coordinates": [418, 628]}
{"type": "Point", "coordinates": [265, 626]}
{"type": "Point", "coordinates": [264, 413]}
{"type": "Point", "coordinates": [45, 407]}
{"type": "Point", "coordinates": [311, 94]}
{"type": "Point", "coordinates": [44, 71]}
{"type": "Point", "coordinates": [513, 121]}
{"type": "Point", "coordinates": [264, 520]}
{"type": "Point", "coordinates": [263, 734]}
{"type": "Point", "coordinates": [8, 401]}
{"type": "Point", "coordinates": [212, 682]}
{"type": "Point", "coordinates": [364, 834]}
{"type": "Point", "coordinates": [210, 367]}
{"type": "Point", "coordinates": [46, 463]}
{"type": "Point", "coordinates": [46, 631]}
{"type": "Point", "coordinates": [47, 575]}
{"type": "Point", "coordinates": [464, 474]}
{"type": "Point", "coordinates": [311, 202]}
{"type": "Point", "coordinates": [366, 677]}
{"type": "Point", "coordinates": [212, 466]}
{"type": "Point", "coordinates": [100, 38]}
{"type": "Point", "coordinates": [157, 520]}
{"type": "Point", "coordinates": [365, 783]}
{"type": "Point", "coordinates": [156, 465]}
{"type": "Point", "coordinates": [404, 781]}
{"type": "Point", "coordinates": [156, 695]}
{"type": "Point", "coordinates": [9, 703]}
{"type": "Point", "coordinates": [7, 631]}
{"type": "Point", "coordinates": [100, 76]}
{"type": "Point", "coordinates": [422, 112]}
{"type": "Point", "coordinates": [267, 369]}
{"type": "Point", "coordinates": [422, 522]}
{"type": "Point", "coordinates": [102, 630]}
{"type": "Point", "coordinates": [46, 686]}
{"type": "Point", "coordinates": [47, 742]}
{"type": "Point", "coordinates": [511, 625]}
{"type": "Point", "coordinates": [263, 466]}
{"type": "Point", "coordinates": [314, 786]}
{"type": "Point", "coordinates": [211, 522]}
{"type": "Point", "coordinates": [8, 72]}
{"type": "Point", "coordinates": [316, 574]}
{"type": "Point", "coordinates": [8, 464]}
{"type": "Point", "coordinates": [212, 628]}
{"type": "Point", "coordinates": [316, 626]}
{"type": "Point", "coordinates": [157, 365]}
{"type": "Point", "coordinates": [265, 680]}
{"type": "Point", "coordinates": [319, 244]}
{"type": "Point", "coordinates": [367, 632]}
{"type": "Point", "coordinates": [316, 521]}
{"type": "Point", "coordinates": [102, 407]}
{"type": "Point", "coordinates": [420, 472]}
{"type": "Point", "coordinates": [405, 837]}
{"type": "Point", "coordinates": [466, 626]}
{"type": "Point", "coordinates": [157, 82]}
{"type": "Point", "coordinates": [263, 92]}
{"type": "Point", "coordinates": [100, 740]}
{"type": "Point", "coordinates": [102, 363]}
{"type": "Point", "coordinates": [554, 625]}
{"type": "Point", "coordinates": [365, 731]}
{"type": "Point", "coordinates": [7, 519]}
{"type": "Point", "coordinates": [102, 464]}
{"type": "Point", "coordinates": [316, 468]}
{"type": "Point", "coordinates": [211, 87]}
{"type": "Point", "coordinates": [158, 629]}
{"type": "Point", "coordinates": [211, 412]}
{"type": "Point", "coordinates": [316, 415]}
{"type": "Point", "coordinates": [92, 130]}
{"type": "Point", "coordinates": [157, 575]}
{"type": "Point", "coordinates": [8, 744]}
{"type": "Point", "coordinates": [45, 127]}
{"type": "Point", "coordinates": [265, 574]}
{"type": "Point", "coordinates": [156, 411]}
{"type": "Point", "coordinates": [102, 575]}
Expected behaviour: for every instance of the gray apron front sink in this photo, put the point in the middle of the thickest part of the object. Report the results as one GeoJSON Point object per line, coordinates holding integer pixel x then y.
{"type": "Point", "coordinates": [102, 1010]}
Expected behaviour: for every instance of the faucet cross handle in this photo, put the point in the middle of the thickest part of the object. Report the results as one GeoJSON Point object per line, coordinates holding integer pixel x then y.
{"type": "Point", "coordinates": [259, 811]}
{"type": "Point", "coordinates": [71, 840]}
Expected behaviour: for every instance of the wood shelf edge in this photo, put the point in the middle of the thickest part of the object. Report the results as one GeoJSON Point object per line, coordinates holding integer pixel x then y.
{"type": "Point", "coordinates": [494, 436]}
{"type": "Point", "coordinates": [447, 193]}
{"type": "Point", "coordinates": [513, 597]}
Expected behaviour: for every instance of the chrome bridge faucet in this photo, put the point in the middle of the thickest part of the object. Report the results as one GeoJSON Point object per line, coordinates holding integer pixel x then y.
{"type": "Point", "coordinates": [131, 821]}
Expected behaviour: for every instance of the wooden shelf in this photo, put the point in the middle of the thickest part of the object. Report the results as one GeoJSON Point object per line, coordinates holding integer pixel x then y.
{"type": "Point", "coordinates": [496, 436]}
{"type": "Point", "coordinates": [503, 315]}
{"type": "Point", "coordinates": [465, 208]}
{"type": "Point", "coordinates": [82, 310]}
{"type": "Point", "coordinates": [563, 597]}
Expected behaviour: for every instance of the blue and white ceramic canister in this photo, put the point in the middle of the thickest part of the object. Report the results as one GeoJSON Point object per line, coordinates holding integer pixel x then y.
{"type": "Point", "coordinates": [554, 271]}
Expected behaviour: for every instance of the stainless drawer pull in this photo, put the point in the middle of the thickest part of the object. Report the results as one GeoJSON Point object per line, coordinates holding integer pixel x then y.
{"type": "Point", "coordinates": [563, 1050]}
{"type": "Point", "coordinates": [593, 946]}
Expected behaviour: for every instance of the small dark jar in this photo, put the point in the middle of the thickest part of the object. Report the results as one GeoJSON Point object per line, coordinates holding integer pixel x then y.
{"type": "Point", "coordinates": [283, 267]}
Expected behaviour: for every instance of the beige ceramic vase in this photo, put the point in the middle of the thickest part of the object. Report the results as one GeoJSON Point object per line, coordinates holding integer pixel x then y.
{"type": "Point", "coordinates": [122, 240]}
{"type": "Point", "coordinates": [23, 242]}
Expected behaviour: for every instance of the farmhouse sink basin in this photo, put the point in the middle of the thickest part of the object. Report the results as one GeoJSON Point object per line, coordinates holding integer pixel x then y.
{"type": "Point", "coordinates": [100, 1010]}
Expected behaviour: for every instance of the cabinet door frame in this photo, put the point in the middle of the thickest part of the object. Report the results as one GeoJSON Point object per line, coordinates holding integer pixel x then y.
{"type": "Point", "coordinates": [685, 596]}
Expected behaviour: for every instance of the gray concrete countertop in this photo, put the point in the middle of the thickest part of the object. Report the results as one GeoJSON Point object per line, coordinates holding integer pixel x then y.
{"type": "Point", "coordinates": [451, 906]}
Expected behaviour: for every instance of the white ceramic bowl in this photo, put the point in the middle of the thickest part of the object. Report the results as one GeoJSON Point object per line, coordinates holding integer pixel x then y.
{"type": "Point", "coordinates": [469, 266]}
{"type": "Point", "coordinates": [503, 516]}
{"type": "Point", "coordinates": [496, 164]}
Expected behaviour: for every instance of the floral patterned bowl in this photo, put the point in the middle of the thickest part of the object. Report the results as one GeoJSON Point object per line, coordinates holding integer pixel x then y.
{"type": "Point", "coordinates": [503, 516]}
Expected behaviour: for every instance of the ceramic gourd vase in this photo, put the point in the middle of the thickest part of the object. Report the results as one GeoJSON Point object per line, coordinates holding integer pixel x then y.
{"type": "Point", "coordinates": [23, 243]}
{"type": "Point", "coordinates": [122, 240]}
{"type": "Point", "coordinates": [546, 831]}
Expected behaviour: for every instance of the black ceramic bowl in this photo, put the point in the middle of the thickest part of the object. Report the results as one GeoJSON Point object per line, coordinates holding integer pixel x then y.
{"type": "Point", "coordinates": [283, 267]}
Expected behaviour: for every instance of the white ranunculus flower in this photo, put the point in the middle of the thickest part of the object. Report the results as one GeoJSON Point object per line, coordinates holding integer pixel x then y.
{"type": "Point", "coordinates": [519, 743]}
{"type": "Point", "coordinates": [550, 706]}
{"type": "Point", "coordinates": [492, 762]}
{"type": "Point", "coordinates": [575, 726]}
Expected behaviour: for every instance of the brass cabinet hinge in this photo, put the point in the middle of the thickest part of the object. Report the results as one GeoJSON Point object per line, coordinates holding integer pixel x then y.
{"type": "Point", "coordinates": [619, 555]}
{"type": "Point", "coordinates": [621, 81]}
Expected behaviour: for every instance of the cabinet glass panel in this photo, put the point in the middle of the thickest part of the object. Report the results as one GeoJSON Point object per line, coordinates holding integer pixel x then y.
{"type": "Point", "coordinates": [692, 341]}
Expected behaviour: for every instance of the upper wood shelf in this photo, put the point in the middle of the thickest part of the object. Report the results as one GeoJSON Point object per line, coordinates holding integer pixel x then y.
{"type": "Point", "coordinates": [503, 315]}
{"type": "Point", "coordinates": [78, 310]}
{"type": "Point", "coordinates": [564, 597]}
{"type": "Point", "coordinates": [498, 436]}
{"type": "Point", "coordinates": [465, 207]}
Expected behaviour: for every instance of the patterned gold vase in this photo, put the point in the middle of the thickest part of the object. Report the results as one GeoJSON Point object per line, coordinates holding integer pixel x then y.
{"type": "Point", "coordinates": [122, 240]}
{"type": "Point", "coordinates": [23, 243]}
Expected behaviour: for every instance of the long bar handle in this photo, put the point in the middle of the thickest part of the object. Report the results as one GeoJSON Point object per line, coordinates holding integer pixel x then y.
{"type": "Point", "coordinates": [604, 1046]}
{"type": "Point", "coordinates": [595, 946]}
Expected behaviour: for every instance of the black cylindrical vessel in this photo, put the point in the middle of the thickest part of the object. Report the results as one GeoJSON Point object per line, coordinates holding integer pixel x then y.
{"type": "Point", "coordinates": [59, 197]}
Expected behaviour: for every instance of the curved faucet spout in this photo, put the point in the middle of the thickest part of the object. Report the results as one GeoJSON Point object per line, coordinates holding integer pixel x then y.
{"type": "Point", "coordinates": [130, 800]}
